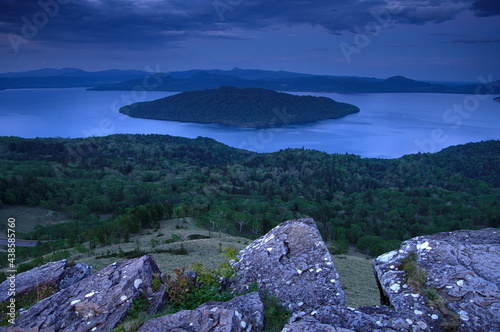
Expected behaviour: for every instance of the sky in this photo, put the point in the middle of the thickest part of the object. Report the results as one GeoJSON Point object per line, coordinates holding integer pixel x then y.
{"type": "Point", "coordinates": [449, 40]}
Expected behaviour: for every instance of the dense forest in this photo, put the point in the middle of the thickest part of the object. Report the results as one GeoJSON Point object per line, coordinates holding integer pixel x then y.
{"type": "Point", "coordinates": [136, 180]}
{"type": "Point", "coordinates": [252, 107]}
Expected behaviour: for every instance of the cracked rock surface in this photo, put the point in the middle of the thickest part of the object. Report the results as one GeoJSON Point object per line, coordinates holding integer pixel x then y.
{"type": "Point", "coordinates": [463, 266]}
{"type": "Point", "coordinates": [293, 263]}
{"type": "Point", "coordinates": [97, 303]}
{"type": "Point", "coordinates": [243, 313]}
{"type": "Point", "coordinates": [59, 274]}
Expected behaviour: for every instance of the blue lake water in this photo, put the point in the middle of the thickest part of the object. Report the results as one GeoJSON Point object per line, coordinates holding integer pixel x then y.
{"type": "Point", "coordinates": [389, 125]}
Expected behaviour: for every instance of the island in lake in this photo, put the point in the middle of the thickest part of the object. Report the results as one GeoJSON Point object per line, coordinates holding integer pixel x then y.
{"type": "Point", "coordinates": [251, 107]}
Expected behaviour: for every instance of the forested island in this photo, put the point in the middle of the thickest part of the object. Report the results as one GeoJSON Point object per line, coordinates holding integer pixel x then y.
{"type": "Point", "coordinates": [115, 186]}
{"type": "Point", "coordinates": [251, 107]}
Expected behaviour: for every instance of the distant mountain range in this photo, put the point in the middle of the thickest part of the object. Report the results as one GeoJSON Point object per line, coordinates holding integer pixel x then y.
{"type": "Point", "coordinates": [241, 78]}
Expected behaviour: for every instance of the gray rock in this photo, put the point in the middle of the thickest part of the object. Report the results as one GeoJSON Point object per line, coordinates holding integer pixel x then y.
{"type": "Point", "coordinates": [370, 318]}
{"type": "Point", "coordinates": [311, 324]}
{"type": "Point", "coordinates": [97, 303]}
{"type": "Point", "coordinates": [243, 313]}
{"type": "Point", "coordinates": [59, 274]}
{"type": "Point", "coordinates": [293, 263]}
{"type": "Point", "coordinates": [73, 275]}
{"type": "Point", "coordinates": [464, 268]}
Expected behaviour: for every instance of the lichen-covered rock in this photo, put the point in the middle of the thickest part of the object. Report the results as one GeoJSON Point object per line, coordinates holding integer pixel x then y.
{"type": "Point", "coordinates": [97, 303]}
{"type": "Point", "coordinates": [371, 318]}
{"type": "Point", "coordinates": [59, 274]}
{"type": "Point", "coordinates": [464, 268]}
{"type": "Point", "coordinates": [243, 313]}
{"type": "Point", "coordinates": [293, 263]}
{"type": "Point", "coordinates": [311, 324]}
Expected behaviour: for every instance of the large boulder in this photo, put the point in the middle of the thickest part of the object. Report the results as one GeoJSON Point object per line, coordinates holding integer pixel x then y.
{"type": "Point", "coordinates": [60, 274]}
{"type": "Point", "coordinates": [97, 303]}
{"type": "Point", "coordinates": [462, 268]}
{"type": "Point", "coordinates": [293, 263]}
{"type": "Point", "coordinates": [243, 313]}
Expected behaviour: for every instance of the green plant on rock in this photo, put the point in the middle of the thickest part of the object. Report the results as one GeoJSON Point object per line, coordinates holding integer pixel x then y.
{"type": "Point", "coordinates": [415, 278]}
{"type": "Point", "coordinates": [155, 284]}
{"type": "Point", "coordinates": [414, 275]}
{"type": "Point", "coordinates": [226, 269]}
{"type": "Point", "coordinates": [26, 301]}
{"type": "Point", "coordinates": [139, 306]}
{"type": "Point", "coordinates": [136, 315]}
{"type": "Point", "coordinates": [204, 275]}
{"type": "Point", "coordinates": [275, 314]}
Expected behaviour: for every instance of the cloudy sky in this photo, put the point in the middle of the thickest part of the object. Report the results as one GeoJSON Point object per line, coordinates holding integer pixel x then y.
{"type": "Point", "coordinates": [421, 39]}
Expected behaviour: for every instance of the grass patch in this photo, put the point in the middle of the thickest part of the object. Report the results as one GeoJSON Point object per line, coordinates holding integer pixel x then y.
{"type": "Point", "coordinates": [357, 279]}
{"type": "Point", "coordinates": [27, 218]}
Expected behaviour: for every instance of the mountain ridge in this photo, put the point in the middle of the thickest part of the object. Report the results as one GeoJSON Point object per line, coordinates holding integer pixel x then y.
{"type": "Point", "coordinates": [197, 79]}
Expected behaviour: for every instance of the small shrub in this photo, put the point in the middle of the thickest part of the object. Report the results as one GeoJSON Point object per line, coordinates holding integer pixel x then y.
{"type": "Point", "coordinates": [197, 237]}
{"type": "Point", "coordinates": [81, 248]}
{"type": "Point", "coordinates": [155, 284]}
{"type": "Point", "coordinates": [338, 248]}
{"type": "Point", "coordinates": [139, 307]}
{"type": "Point", "coordinates": [275, 314]}
{"type": "Point", "coordinates": [136, 315]}
{"type": "Point", "coordinates": [178, 251]}
{"type": "Point", "coordinates": [179, 288]}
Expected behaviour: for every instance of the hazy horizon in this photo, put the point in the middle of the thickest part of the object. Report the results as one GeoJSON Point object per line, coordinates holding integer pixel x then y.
{"type": "Point", "coordinates": [430, 80]}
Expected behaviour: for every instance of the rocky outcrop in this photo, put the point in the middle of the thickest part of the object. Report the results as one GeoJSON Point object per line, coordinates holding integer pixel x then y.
{"type": "Point", "coordinates": [59, 274]}
{"type": "Point", "coordinates": [97, 303]}
{"type": "Point", "coordinates": [311, 324]}
{"type": "Point", "coordinates": [461, 267]}
{"type": "Point", "coordinates": [293, 263]}
{"type": "Point", "coordinates": [243, 313]}
{"type": "Point", "coordinates": [459, 290]}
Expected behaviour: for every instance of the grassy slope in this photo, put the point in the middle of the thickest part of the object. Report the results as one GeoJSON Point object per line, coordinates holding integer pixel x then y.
{"type": "Point", "coordinates": [28, 217]}
{"type": "Point", "coordinates": [355, 270]}
{"type": "Point", "coordinates": [206, 251]}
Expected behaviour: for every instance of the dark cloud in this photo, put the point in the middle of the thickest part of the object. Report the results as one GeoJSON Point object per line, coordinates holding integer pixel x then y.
{"type": "Point", "coordinates": [476, 41]}
{"type": "Point", "coordinates": [484, 8]}
{"type": "Point", "coordinates": [447, 34]}
{"type": "Point", "coordinates": [136, 24]}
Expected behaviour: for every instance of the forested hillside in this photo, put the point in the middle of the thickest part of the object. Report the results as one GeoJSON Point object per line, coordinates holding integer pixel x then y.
{"type": "Point", "coordinates": [254, 108]}
{"type": "Point", "coordinates": [135, 180]}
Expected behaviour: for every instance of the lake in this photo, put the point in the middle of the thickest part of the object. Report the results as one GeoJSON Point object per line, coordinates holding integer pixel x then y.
{"type": "Point", "coordinates": [389, 125]}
